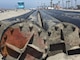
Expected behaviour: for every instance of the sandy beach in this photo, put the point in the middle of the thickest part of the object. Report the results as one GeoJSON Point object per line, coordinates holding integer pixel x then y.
{"type": "Point", "coordinates": [12, 13]}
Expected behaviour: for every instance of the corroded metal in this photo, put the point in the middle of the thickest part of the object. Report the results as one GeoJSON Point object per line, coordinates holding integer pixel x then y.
{"type": "Point", "coordinates": [27, 40]}
{"type": "Point", "coordinates": [17, 37]}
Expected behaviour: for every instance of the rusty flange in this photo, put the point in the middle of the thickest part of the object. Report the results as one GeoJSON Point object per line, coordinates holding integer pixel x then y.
{"type": "Point", "coordinates": [19, 37]}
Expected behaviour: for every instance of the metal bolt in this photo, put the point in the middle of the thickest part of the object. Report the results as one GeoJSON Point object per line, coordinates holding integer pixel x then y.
{"type": "Point", "coordinates": [11, 30]}
{"type": "Point", "coordinates": [20, 26]}
{"type": "Point", "coordinates": [39, 32]}
{"type": "Point", "coordinates": [45, 38]}
{"type": "Point", "coordinates": [30, 27]}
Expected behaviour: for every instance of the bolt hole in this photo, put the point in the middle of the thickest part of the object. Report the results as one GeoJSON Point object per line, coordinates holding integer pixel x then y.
{"type": "Point", "coordinates": [45, 40]}
{"type": "Point", "coordinates": [5, 37]}
{"type": "Point", "coordinates": [12, 30]}
{"type": "Point", "coordinates": [79, 34]}
{"type": "Point", "coordinates": [56, 28]}
{"type": "Point", "coordinates": [49, 33]}
{"type": "Point", "coordinates": [21, 28]}
{"type": "Point", "coordinates": [30, 28]}
{"type": "Point", "coordinates": [0, 25]}
{"type": "Point", "coordinates": [39, 32]}
{"type": "Point", "coordinates": [65, 26]}
{"type": "Point", "coordinates": [45, 50]}
{"type": "Point", "coordinates": [73, 28]}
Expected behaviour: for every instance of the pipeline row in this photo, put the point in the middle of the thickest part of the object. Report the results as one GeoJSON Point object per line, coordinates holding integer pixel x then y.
{"type": "Point", "coordinates": [65, 16]}
{"type": "Point", "coordinates": [38, 37]}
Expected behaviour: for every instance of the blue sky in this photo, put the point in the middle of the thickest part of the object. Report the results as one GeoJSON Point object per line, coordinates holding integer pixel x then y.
{"type": "Point", "coordinates": [29, 3]}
